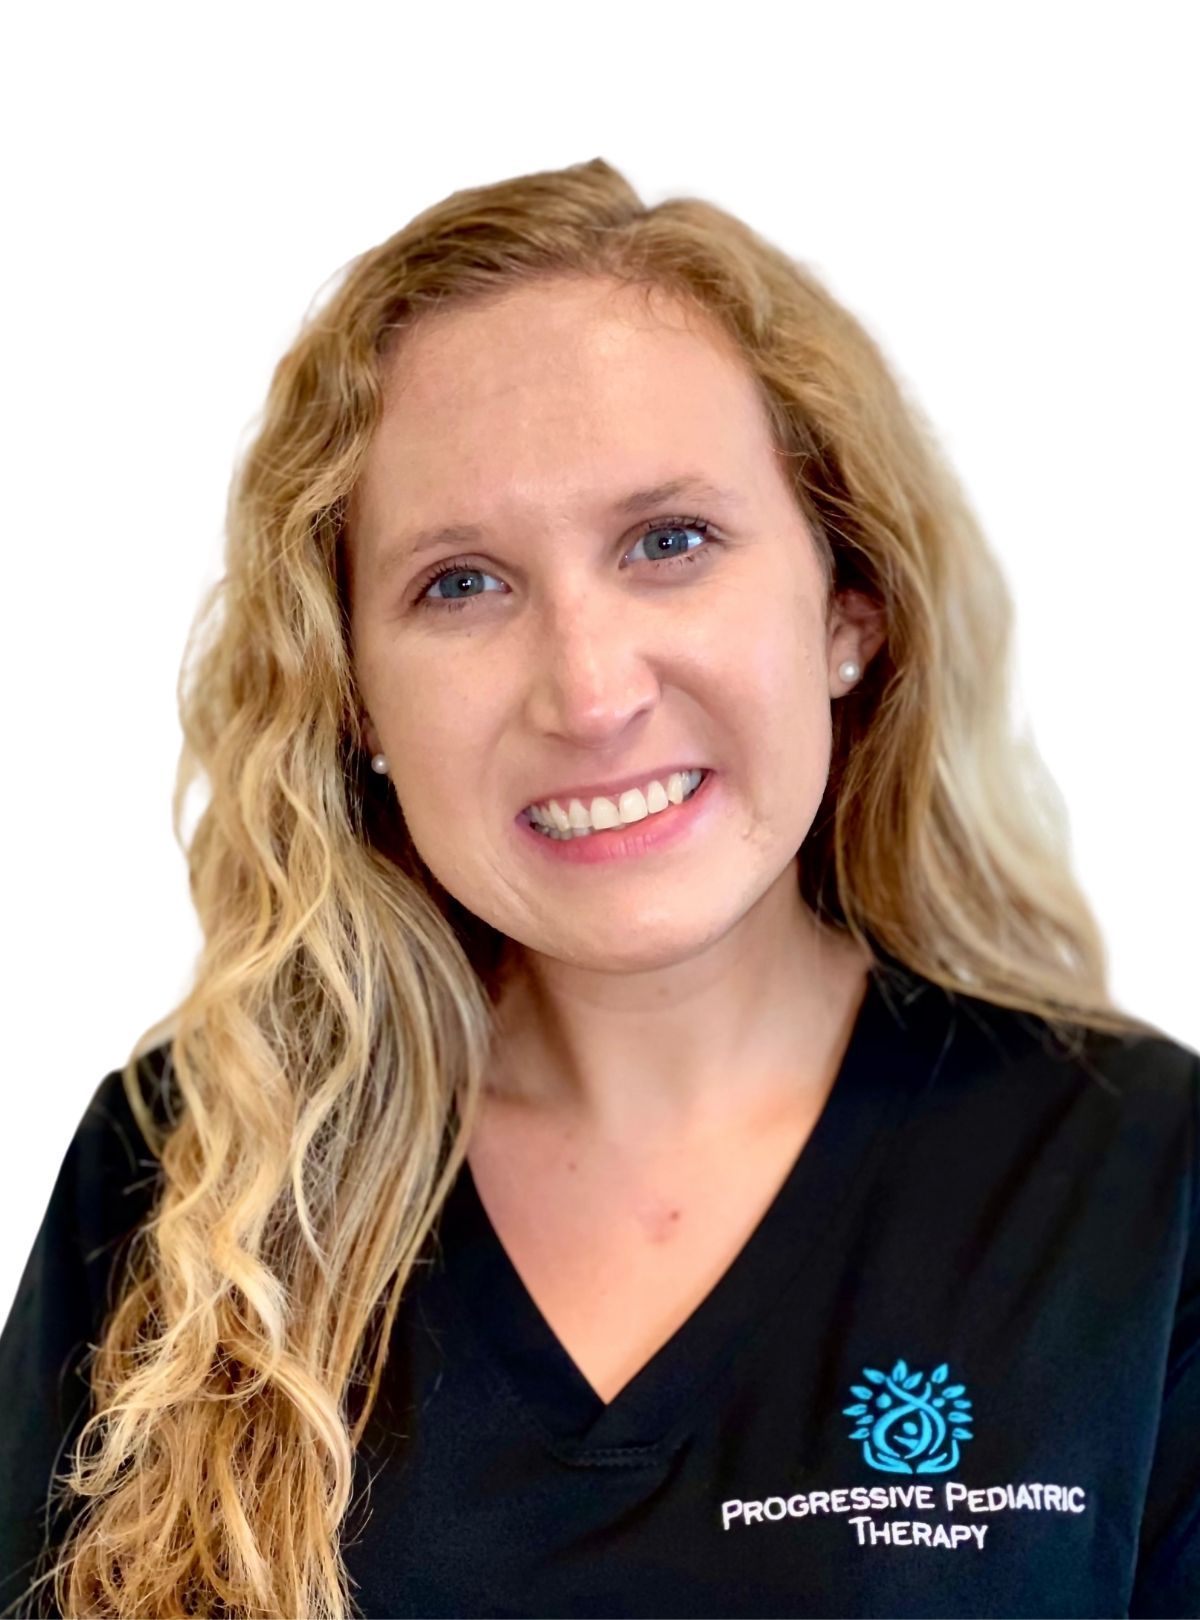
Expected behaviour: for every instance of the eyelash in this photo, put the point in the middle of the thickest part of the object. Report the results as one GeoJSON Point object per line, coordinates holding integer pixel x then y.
{"type": "Point", "coordinates": [463, 565]}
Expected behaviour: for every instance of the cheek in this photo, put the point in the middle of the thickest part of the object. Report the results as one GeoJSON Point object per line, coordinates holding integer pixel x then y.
{"type": "Point", "coordinates": [442, 727]}
{"type": "Point", "coordinates": [437, 708]}
{"type": "Point", "coordinates": [774, 666]}
{"type": "Point", "coordinates": [775, 713]}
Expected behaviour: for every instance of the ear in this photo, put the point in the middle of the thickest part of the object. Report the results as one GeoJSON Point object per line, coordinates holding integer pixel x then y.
{"type": "Point", "coordinates": [372, 737]}
{"type": "Point", "coordinates": [857, 630]}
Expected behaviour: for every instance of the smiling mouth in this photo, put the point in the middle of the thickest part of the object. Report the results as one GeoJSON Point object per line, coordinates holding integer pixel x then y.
{"type": "Point", "coordinates": [583, 827]}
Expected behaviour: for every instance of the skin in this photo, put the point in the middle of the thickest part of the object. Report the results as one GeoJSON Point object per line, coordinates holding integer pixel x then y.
{"type": "Point", "coordinates": [656, 1006]}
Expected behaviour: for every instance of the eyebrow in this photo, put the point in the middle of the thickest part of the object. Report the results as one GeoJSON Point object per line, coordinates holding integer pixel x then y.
{"type": "Point", "coordinates": [404, 550]}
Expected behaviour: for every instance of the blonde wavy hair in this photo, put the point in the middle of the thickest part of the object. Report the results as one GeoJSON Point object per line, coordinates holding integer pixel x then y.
{"type": "Point", "coordinates": [329, 1055]}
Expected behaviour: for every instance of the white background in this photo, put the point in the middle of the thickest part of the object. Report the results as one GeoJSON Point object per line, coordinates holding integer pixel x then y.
{"type": "Point", "coordinates": [1005, 195]}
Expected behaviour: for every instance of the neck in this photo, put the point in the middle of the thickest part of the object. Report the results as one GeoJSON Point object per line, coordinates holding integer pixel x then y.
{"type": "Point", "coordinates": [752, 1025]}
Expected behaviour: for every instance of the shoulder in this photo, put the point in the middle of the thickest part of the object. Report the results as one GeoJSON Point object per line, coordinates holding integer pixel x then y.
{"type": "Point", "coordinates": [1134, 1067]}
{"type": "Point", "coordinates": [1139, 1087]}
{"type": "Point", "coordinates": [984, 1032]}
{"type": "Point", "coordinates": [110, 1132]}
{"type": "Point", "coordinates": [111, 1162]}
{"type": "Point", "coordinates": [105, 1188]}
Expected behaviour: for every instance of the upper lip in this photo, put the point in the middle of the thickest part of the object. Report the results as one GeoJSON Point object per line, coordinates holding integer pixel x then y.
{"type": "Point", "coordinates": [610, 790]}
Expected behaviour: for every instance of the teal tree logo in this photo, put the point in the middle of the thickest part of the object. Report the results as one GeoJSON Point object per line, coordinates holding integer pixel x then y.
{"type": "Point", "coordinates": [909, 1431]}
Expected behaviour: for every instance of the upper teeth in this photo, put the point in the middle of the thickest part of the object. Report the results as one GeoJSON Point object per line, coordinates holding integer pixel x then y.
{"type": "Point", "coordinates": [633, 805]}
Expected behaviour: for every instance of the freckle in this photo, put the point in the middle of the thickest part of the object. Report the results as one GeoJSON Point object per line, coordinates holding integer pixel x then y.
{"type": "Point", "coordinates": [659, 1226]}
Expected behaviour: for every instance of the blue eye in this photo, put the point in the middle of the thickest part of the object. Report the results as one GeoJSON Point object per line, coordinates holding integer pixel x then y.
{"type": "Point", "coordinates": [672, 527]}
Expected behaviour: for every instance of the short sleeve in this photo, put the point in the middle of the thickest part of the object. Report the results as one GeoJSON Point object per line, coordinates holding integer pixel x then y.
{"type": "Point", "coordinates": [1167, 1575]}
{"type": "Point", "coordinates": [104, 1188]}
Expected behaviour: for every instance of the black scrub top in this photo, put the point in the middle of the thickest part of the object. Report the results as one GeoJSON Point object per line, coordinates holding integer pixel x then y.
{"type": "Point", "coordinates": [955, 1369]}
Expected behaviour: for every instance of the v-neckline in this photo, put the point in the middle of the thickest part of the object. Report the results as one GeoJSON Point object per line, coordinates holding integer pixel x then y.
{"type": "Point", "coordinates": [880, 1071]}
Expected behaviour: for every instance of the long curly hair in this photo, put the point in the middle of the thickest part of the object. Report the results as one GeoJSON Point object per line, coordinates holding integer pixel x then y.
{"type": "Point", "coordinates": [329, 1055]}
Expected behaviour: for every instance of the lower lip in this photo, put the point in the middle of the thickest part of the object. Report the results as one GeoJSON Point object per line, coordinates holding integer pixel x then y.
{"type": "Point", "coordinates": [646, 837]}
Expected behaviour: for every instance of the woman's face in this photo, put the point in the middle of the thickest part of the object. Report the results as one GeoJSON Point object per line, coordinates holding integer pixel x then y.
{"type": "Point", "coordinates": [575, 653]}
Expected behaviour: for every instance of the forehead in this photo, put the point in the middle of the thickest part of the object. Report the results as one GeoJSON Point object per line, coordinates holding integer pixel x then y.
{"type": "Point", "coordinates": [554, 394]}
{"type": "Point", "coordinates": [562, 333]}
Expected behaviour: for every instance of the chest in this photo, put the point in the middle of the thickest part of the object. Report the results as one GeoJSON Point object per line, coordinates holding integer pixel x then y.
{"type": "Point", "coordinates": [617, 1251]}
{"type": "Point", "coordinates": [934, 1392]}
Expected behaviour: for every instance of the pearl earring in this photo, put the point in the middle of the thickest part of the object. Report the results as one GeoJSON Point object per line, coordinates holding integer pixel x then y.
{"type": "Point", "coordinates": [379, 763]}
{"type": "Point", "coordinates": [849, 671]}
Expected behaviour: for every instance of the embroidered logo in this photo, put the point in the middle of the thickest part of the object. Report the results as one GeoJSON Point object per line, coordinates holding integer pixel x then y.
{"type": "Point", "coordinates": [909, 1431]}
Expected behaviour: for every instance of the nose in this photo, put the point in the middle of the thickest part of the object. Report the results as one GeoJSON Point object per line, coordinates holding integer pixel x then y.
{"type": "Point", "coordinates": [592, 669]}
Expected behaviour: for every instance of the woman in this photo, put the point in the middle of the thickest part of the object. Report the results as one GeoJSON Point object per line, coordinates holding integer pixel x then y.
{"type": "Point", "coordinates": [649, 1134]}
